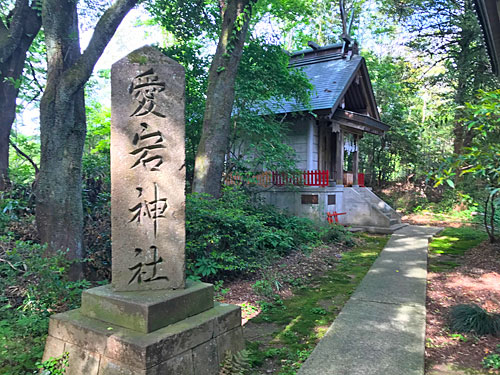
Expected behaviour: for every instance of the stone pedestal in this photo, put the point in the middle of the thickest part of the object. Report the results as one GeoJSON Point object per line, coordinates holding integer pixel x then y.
{"type": "Point", "coordinates": [148, 321]}
{"type": "Point", "coordinates": [179, 332]}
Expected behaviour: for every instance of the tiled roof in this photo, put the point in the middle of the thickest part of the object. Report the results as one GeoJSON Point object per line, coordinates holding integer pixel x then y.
{"type": "Point", "coordinates": [330, 76]}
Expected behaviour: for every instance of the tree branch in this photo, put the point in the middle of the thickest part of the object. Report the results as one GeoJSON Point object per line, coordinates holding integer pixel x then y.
{"type": "Point", "coordinates": [15, 30]}
{"type": "Point", "coordinates": [106, 27]}
{"type": "Point", "coordinates": [30, 160]}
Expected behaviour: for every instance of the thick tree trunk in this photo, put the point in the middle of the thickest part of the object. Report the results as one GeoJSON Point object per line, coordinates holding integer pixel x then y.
{"type": "Point", "coordinates": [15, 40]}
{"type": "Point", "coordinates": [214, 142]}
{"type": "Point", "coordinates": [59, 212]}
{"type": "Point", "coordinates": [8, 95]}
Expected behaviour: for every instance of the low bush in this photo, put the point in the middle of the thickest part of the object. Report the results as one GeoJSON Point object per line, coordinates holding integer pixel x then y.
{"type": "Point", "coordinates": [492, 360]}
{"type": "Point", "coordinates": [473, 318]}
{"type": "Point", "coordinates": [337, 234]}
{"type": "Point", "coordinates": [32, 288]}
{"type": "Point", "coordinates": [235, 234]}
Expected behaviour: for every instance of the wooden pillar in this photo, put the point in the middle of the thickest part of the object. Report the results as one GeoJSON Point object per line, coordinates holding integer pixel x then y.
{"type": "Point", "coordinates": [355, 162]}
{"type": "Point", "coordinates": [339, 158]}
{"type": "Point", "coordinates": [310, 145]}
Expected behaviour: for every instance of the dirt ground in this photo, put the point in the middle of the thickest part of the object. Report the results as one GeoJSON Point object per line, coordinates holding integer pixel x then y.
{"type": "Point", "coordinates": [476, 280]}
{"type": "Point", "coordinates": [298, 266]}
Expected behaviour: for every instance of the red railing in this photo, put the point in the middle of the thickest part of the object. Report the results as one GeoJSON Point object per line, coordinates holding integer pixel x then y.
{"type": "Point", "coordinates": [266, 179]}
{"type": "Point", "coordinates": [306, 178]}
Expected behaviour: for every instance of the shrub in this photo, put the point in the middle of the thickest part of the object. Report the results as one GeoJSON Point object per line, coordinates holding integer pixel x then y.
{"type": "Point", "coordinates": [235, 234]}
{"type": "Point", "coordinates": [32, 287]}
{"type": "Point", "coordinates": [472, 318]}
{"type": "Point", "coordinates": [337, 234]}
{"type": "Point", "coordinates": [492, 360]}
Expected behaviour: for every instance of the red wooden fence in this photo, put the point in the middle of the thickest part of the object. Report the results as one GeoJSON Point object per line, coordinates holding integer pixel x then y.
{"type": "Point", "coordinates": [266, 179]}
{"type": "Point", "coordinates": [306, 178]}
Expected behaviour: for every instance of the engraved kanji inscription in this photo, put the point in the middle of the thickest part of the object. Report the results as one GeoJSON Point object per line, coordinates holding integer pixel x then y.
{"type": "Point", "coordinates": [144, 89]}
{"type": "Point", "coordinates": [146, 146]}
{"type": "Point", "coordinates": [151, 209]}
{"type": "Point", "coordinates": [147, 271]}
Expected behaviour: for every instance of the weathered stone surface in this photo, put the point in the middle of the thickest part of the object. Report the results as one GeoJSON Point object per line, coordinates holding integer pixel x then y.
{"type": "Point", "coordinates": [147, 172]}
{"type": "Point", "coordinates": [231, 319]}
{"type": "Point", "coordinates": [180, 365]}
{"type": "Point", "coordinates": [205, 359]}
{"type": "Point", "coordinates": [82, 361]}
{"type": "Point", "coordinates": [53, 348]}
{"type": "Point", "coordinates": [230, 341]}
{"type": "Point", "coordinates": [147, 311]}
{"type": "Point", "coordinates": [111, 367]}
{"type": "Point", "coordinates": [136, 349]}
{"type": "Point", "coordinates": [146, 322]}
{"type": "Point", "coordinates": [71, 327]}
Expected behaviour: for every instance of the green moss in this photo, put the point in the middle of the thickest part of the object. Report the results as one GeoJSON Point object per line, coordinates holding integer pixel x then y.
{"type": "Point", "coordinates": [137, 58]}
{"type": "Point", "coordinates": [304, 318]}
{"type": "Point", "coordinates": [446, 250]}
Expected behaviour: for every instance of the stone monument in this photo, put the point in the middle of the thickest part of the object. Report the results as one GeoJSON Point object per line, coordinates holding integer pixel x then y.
{"type": "Point", "coordinates": [149, 320]}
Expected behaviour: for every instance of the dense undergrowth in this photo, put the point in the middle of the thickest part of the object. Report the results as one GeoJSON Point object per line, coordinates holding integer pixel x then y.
{"type": "Point", "coordinates": [235, 234]}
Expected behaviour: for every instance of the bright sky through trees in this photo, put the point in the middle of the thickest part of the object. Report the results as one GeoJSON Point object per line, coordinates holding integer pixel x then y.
{"type": "Point", "coordinates": [131, 34]}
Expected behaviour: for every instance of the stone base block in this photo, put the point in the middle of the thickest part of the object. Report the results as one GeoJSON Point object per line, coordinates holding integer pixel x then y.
{"type": "Point", "coordinates": [193, 346]}
{"type": "Point", "coordinates": [147, 311]}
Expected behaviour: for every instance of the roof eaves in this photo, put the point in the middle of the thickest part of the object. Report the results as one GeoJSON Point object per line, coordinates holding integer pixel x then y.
{"type": "Point", "coordinates": [345, 88]}
{"type": "Point", "coordinates": [368, 121]}
{"type": "Point", "coordinates": [488, 12]}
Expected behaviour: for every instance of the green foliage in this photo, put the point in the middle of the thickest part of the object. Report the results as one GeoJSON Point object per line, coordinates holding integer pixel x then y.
{"type": "Point", "coordinates": [21, 172]}
{"type": "Point", "coordinates": [235, 364]}
{"type": "Point", "coordinates": [32, 287]}
{"type": "Point", "coordinates": [263, 288]}
{"type": "Point", "coordinates": [264, 78]}
{"type": "Point", "coordinates": [337, 234]}
{"type": "Point", "coordinates": [473, 318]}
{"type": "Point", "coordinates": [415, 141]}
{"type": "Point", "coordinates": [233, 234]}
{"type": "Point", "coordinates": [256, 141]}
{"type": "Point", "coordinates": [492, 360]}
{"type": "Point", "coordinates": [480, 162]}
{"type": "Point", "coordinates": [54, 366]}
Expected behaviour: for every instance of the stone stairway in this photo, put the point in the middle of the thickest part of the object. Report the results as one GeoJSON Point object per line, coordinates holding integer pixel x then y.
{"type": "Point", "coordinates": [370, 212]}
{"type": "Point", "coordinates": [375, 200]}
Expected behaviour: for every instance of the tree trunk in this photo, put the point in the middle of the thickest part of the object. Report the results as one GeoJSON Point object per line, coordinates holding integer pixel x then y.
{"type": "Point", "coordinates": [15, 40]}
{"type": "Point", "coordinates": [214, 142]}
{"type": "Point", "coordinates": [59, 212]}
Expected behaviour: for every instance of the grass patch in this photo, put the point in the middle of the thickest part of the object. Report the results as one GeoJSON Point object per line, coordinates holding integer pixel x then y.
{"type": "Point", "coordinates": [304, 318]}
{"type": "Point", "coordinates": [446, 250]}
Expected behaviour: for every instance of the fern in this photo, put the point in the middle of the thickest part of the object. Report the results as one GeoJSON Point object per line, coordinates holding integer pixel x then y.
{"type": "Point", "coordinates": [235, 364]}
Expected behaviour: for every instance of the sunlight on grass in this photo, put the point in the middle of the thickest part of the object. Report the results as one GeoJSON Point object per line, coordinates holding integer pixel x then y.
{"type": "Point", "coordinates": [305, 318]}
{"type": "Point", "coordinates": [446, 250]}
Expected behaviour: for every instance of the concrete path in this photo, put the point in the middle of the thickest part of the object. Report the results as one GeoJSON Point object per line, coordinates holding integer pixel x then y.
{"type": "Point", "coordinates": [381, 329]}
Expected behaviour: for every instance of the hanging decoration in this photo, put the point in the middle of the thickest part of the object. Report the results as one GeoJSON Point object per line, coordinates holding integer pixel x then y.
{"type": "Point", "coordinates": [350, 145]}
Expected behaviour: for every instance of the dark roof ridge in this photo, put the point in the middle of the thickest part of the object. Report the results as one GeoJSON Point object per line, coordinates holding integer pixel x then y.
{"type": "Point", "coordinates": [315, 59]}
{"type": "Point", "coordinates": [311, 50]}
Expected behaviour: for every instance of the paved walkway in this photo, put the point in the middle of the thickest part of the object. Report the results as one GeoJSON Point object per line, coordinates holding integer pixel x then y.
{"type": "Point", "coordinates": [381, 329]}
